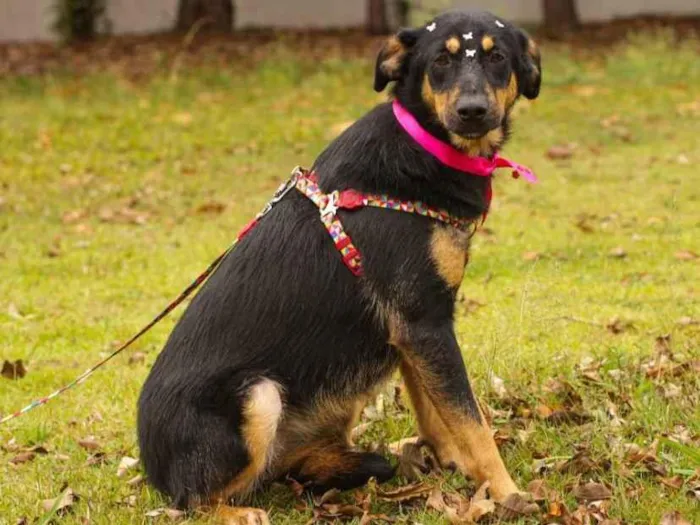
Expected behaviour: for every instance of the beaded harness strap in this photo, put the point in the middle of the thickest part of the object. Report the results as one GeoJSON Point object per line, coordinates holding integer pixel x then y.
{"type": "Point", "coordinates": [330, 203]}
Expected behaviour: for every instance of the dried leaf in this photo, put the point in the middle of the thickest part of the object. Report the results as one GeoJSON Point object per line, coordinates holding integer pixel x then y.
{"type": "Point", "coordinates": [538, 490]}
{"type": "Point", "coordinates": [436, 500]}
{"type": "Point", "coordinates": [543, 411]}
{"type": "Point", "coordinates": [617, 325]}
{"type": "Point", "coordinates": [498, 386]}
{"type": "Point", "coordinates": [685, 255]}
{"type": "Point", "coordinates": [329, 496]}
{"type": "Point", "coordinates": [368, 518]}
{"type": "Point", "coordinates": [211, 208]}
{"type": "Point", "coordinates": [694, 492]}
{"type": "Point", "coordinates": [580, 464]}
{"type": "Point", "coordinates": [125, 465]}
{"type": "Point", "coordinates": [516, 506]}
{"type": "Point", "coordinates": [89, 443]}
{"type": "Point", "coordinates": [23, 457]}
{"type": "Point", "coordinates": [98, 458]}
{"type": "Point", "coordinates": [135, 481]}
{"type": "Point", "coordinates": [62, 504]}
{"type": "Point", "coordinates": [14, 370]}
{"type": "Point", "coordinates": [73, 216]}
{"type": "Point", "coordinates": [405, 493]}
{"type": "Point", "coordinates": [531, 256]}
{"type": "Point", "coordinates": [136, 358]}
{"type": "Point", "coordinates": [560, 152]}
{"type": "Point", "coordinates": [618, 253]}
{"type": "Point", "coordinates": [592, 492]}
{"type": "Point", "coordinates": [676, 482]}
{"type": "Point", "coordinates": [674, 518]}
{"type": "Point", "coordinates": [412, 462]}
{"type": "Point", "coordinates": [332, 511]}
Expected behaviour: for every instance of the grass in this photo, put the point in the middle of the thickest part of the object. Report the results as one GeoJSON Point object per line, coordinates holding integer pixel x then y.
{"type": "Point", "coordinates": [85, 158]}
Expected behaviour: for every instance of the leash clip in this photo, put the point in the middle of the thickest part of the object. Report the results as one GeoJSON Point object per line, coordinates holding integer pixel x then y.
{"type": "Point", "coordinates": [281, 191]}
{"type": "Point", "coordinates": [331, 206]}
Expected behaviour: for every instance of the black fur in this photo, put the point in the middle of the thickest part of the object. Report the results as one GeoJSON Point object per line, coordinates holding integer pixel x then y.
{"type": "Point", "coordinates": [283, 306]}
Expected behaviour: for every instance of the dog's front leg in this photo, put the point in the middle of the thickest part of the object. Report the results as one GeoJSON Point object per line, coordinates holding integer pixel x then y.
{"type": "Point", "coordinates": [448, 413]}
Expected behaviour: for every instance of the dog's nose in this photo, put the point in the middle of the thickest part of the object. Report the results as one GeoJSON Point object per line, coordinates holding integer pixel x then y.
{"type": "Point", "coordinates": [472, 110]}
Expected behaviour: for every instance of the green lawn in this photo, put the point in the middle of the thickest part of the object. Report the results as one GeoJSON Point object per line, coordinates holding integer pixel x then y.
{"type": "Point", "coordinates": [114, 195]}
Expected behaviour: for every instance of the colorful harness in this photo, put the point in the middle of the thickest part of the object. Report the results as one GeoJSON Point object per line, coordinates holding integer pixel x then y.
{"type": "Point", "coordinates": [330, 203]}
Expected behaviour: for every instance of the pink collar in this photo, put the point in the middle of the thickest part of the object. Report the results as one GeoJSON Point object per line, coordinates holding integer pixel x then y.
{"type": "Point", "coordinates": [452, 157]}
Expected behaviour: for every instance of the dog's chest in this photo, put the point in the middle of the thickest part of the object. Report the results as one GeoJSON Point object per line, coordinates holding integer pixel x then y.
{"type": "Point", "coordinates": [449, 251]}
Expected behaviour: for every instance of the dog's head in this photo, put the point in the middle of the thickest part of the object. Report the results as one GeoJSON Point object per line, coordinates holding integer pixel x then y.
{"type": "Point", "coordinates": [465, 71]}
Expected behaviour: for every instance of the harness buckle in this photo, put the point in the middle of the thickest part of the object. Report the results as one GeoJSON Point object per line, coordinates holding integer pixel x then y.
{"type": "Point", "coordinates": [331, 206]}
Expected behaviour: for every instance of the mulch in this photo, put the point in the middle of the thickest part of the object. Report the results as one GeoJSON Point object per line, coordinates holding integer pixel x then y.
{"type": "Point", "coordinates": [137, 57]}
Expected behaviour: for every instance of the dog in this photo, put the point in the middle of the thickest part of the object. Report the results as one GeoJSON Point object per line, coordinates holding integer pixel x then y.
{"type": "Point", "coordinates": [268, 369]}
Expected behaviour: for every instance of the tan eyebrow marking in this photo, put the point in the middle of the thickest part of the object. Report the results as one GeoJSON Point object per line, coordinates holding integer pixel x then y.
{"type": "Point", "coordinates": [487, 43]}
{"type": "Point", "coordinates": [452, 44]}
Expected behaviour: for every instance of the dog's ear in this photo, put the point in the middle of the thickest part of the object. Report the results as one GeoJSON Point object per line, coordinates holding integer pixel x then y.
{"type": "Point", "coordinates": [529, 66]}
{"type": "Point", "coordinates": [392, 57]}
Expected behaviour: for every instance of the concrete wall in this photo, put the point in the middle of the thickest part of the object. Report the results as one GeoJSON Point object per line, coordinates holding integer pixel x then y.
{"type": "Point", "coordinates": [22, 20]}
{"type": "Point", "coordinates": [590, 10]}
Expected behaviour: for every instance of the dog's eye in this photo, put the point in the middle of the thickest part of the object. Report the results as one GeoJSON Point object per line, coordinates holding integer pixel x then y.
{"type": "Point", "coordinates": [496, 56]}
{"type": "Point", "coordinates": [443, 60]}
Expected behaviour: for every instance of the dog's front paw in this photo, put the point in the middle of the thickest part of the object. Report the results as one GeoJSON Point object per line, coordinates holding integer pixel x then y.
{"type": "Point", "coordinates": [242, 516]}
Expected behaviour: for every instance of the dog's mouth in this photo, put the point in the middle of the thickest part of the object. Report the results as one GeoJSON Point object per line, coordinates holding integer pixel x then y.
{"type": "Point", "coordinates": [472, 130]}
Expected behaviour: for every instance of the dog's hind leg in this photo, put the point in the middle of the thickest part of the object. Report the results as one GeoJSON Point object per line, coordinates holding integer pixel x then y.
{"type": "Point", "coordinates": [262, 412]}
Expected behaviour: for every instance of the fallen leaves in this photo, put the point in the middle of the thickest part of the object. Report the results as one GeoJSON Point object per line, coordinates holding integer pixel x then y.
{"type": "Point", "coordinates": [460, 510]}
{"type": "Point", "coordinates": [592, 492]}
{"type": "Point", "coordinates": [405, 493]}
{"type": "Point", "coordinates": [62, 504]}
{"type": "Point", "coordinates": [685, 255]}
{"type": "Point", "coordinates": [617, 253]}
{"type": "Point", "coordinates": [210, 208]}
{"type": "Point", "coordinates": [89, 443]}
{"type": "Point", "coordinates": [23, 457]}
{"type": "Point", "coordinates": [173, 514]}
{"type": "Point", "coordinates": [674, 518]}
{"type": "Point", "coordinates": [516, 506]}
{"type": "Point", "coordinates": [127, 463]}
{"type": "Point", "coordinates": [560, 152]}
{"type": "Point", "coordinates": [14, 370]}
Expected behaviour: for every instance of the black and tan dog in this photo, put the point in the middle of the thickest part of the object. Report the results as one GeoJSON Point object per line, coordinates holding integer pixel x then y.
{"type": "Point", "coordinates": [272, 362]}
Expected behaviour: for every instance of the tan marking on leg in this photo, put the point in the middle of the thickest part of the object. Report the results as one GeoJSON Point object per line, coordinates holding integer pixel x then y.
{"type": "Point", "coordinates": [476, 451]}
{"type": "Point", "coordinates": [487, 43]}
{"type": "Point", "coordinates": [452, 44]}
{"type": "Point", "coordinates": [226, 515]}
{"type": "Point", "coordinates": [430, 426]}
{"type": "Point", "coordinates": [357, 408]}
{"type": "Point", "coordinates": [261, 415]}
{"type": "Point", "coordinates": [448, 249]}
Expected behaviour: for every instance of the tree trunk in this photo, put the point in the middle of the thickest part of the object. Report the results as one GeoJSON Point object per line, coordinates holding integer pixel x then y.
{"type": "Point", "coordinates": [377, 23]}
{"type": "Point", "coordinates": [213, 15]}
{"type": "Point", "coordinates": [560, 16]}
{"type": "Point", "coordinates": [403, 12]}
